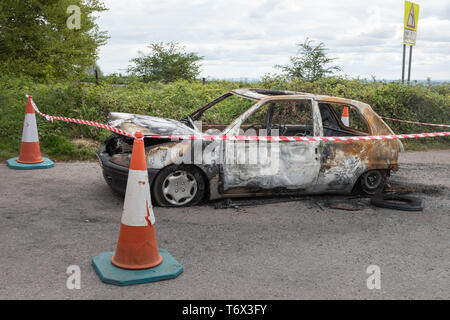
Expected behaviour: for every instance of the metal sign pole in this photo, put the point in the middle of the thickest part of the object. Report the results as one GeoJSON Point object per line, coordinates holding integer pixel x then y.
{"type": "Point", "coordinates": [409, 67]}
{"type": "Point", "coordinates": [403, 64]}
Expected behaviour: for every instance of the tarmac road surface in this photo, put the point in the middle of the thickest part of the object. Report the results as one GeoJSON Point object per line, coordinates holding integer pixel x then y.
{"type": "Point", "coordinates": [264, 249]}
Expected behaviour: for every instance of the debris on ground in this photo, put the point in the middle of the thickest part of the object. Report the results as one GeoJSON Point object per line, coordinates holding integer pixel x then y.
{"type": "Point", "coordinates": [396, 196]}
{"type": "Point", "coordinates": [340, 207]}
{"type": "Point", "coordinates": [250, 202]}
{"type": "Point", "coordinates": [225, 204]}
{"type": "Point", "coordinates": [356, 203]}
{"type": "Point", "coordinates": [416, 188]}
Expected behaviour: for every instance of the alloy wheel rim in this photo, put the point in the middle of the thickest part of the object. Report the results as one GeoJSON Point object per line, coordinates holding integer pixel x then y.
{"type": "Point", "coordinates": [179, 187]}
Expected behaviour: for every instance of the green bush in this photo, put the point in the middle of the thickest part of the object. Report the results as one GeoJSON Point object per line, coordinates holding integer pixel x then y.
{"type": "Point", "coordinates": [177, 99]}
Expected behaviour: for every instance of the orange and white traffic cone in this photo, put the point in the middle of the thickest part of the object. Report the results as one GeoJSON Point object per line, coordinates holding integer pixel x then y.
{"type": "Point", "coordinates": [30, 153]}
{"type": "Point", "coordinates": [345, 118]}
{"type": "Point", "coordinates": [137, 258]}
{"type": "Point", "coordinates": [136, 247]}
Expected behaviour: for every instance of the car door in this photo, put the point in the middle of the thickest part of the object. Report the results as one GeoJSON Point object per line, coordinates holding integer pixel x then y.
{"type": "Point", "coordinates": [343, 161]}
{"type": "Point", "coordinates": [253, 166]}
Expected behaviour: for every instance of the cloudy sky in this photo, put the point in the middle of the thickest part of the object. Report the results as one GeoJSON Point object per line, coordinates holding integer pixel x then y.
{"type": "Point", "coordinates": [245, 39]}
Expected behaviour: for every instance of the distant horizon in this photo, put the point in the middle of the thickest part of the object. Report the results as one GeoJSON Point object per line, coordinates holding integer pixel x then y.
{"type": "Point", "coordinates": [257, 79]}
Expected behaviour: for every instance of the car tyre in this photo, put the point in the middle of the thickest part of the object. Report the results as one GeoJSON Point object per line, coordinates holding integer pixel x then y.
{"type": "Point", "coordinates": [178, 186]}
{"type": "Point", "coordinates": [398, 202]}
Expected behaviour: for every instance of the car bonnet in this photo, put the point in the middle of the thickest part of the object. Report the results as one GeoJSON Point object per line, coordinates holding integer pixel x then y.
{"type": "Point", "coordinates": [148, 125]}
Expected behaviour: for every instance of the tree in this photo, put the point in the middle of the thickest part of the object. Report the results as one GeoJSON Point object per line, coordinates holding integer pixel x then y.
{"type": "Point", "coordinates": [310, 62]}
{"type": "Point", "coordinates": [91, 70]}
{"type": "Point", "coordinates": [166, 62]}
{"type": "Point", "coordinates": [49, 39]}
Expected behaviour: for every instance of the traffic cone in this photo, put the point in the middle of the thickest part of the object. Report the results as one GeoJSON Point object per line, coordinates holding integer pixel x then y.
{"type": "Point", "coordinates": [345, 118]}
{"type": "Point", "coordinates": [136, 247]}
{"type": "Point", "coordinates": [137, 258]}
{"type": "Point", "coordinates": [30, 153]}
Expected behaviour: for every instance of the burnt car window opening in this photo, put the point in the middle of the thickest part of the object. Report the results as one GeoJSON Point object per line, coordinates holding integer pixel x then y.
{"type": "Point", "coordinates": [356, 121]}
{"type": "Point", "coordinates": [291, 118]}
{"type": "Point", "coordinates": [255, 124]}
{"type": "Point", "coordinates": [225, 110]}
{"type": "Point", "coordinates": [333, 126]}
{"type": "Point", "coordinates": [268, 92]}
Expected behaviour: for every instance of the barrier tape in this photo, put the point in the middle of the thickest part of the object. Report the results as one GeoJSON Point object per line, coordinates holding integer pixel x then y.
{"type": "Point", "coordinates": [80, 121]}
{"type": "Point", "coordinates": [244, 138]}
{"type": "Point", "coordinates": [420, 123]}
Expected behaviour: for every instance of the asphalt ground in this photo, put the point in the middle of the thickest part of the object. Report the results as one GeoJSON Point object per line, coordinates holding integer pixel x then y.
{"type": "Point", "coordinates": [267, 248]}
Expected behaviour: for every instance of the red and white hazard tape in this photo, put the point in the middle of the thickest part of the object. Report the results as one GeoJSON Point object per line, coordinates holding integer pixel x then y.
{"type": "Point", "coordinates": [245, 138]}
{"type": "Point", "coordinates": [284, 138]}
{"type": "Point", "coordinates": [80, 121]}
{"type": "Point", "coordinates": [420, 123]}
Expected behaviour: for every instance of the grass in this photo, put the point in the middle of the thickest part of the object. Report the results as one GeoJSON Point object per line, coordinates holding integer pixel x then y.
{"type": "Point", "coordinates": [437, 143]}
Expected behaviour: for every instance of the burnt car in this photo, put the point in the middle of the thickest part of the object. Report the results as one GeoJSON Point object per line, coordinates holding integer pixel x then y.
{"type": "Point", "coordinates": [185, 172]}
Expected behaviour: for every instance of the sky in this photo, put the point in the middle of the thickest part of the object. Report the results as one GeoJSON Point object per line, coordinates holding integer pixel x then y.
{"type": "Point", "coordinates": [246, 39]}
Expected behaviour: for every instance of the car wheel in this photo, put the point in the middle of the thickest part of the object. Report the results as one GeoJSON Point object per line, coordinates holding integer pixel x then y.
{"type": "Point", "coordinates": [373, 181]}
{"type": "Point", "coordinates": [179, 185]}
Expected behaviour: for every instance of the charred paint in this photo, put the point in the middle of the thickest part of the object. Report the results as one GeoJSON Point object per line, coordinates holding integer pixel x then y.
{"type": "Point", "coordinates": [148, 125]}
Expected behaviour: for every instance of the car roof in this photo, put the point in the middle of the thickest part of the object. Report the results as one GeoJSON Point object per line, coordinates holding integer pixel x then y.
{"type": "Point", "coordinates": [260, 94]}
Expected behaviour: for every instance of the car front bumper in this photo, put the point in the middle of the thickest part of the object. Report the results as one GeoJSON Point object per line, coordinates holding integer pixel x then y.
{"type": "Point", "coordinates": [116, 176]}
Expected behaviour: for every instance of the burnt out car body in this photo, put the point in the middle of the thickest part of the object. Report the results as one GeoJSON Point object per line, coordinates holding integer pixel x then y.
{"type": "Point", "coordinates": [186, 172]}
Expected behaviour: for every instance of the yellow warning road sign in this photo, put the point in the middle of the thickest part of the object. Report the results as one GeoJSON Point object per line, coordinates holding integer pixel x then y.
{"type": "Point", "coordinates": [410, 23]}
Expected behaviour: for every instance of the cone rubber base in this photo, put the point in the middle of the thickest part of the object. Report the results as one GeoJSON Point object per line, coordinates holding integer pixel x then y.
{"type": "Point", "coordinates": [108, 273]}
{"type": "Point", "coordinates": [13, 164]}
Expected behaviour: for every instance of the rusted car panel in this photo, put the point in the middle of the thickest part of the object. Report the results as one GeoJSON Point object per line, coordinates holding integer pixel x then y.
{"type": "Point", "coordinates": [342, 163]}
{"type": "Point", "coordinates": [301, 167]}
